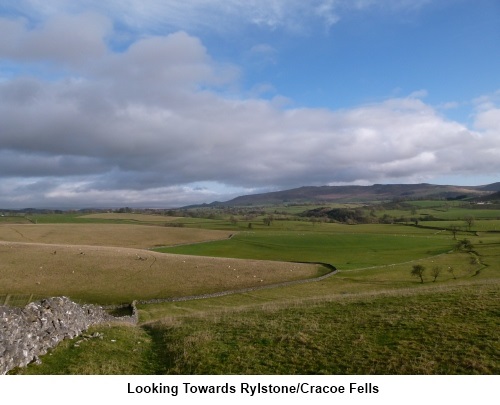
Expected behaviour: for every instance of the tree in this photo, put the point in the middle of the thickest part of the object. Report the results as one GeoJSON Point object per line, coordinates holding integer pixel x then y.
{"type": "Point", "coordinates": [268, 220]}
{"type": "Point", "coordinates": [454, 229]}
{"type": "Point", "coordinates": [451, 270]}
{"type": "Point", "coordinates": [465, 244]}
{"type": "Point", "coordinates": [469, 220]}
{"type": "Point", "coordinates": [418, 271]}
{"type": "Point", "coordinates": [436, 271]}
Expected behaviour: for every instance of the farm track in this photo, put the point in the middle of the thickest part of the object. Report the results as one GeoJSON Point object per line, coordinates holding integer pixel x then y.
{"type": "Point", "coordinates": [19, 233]}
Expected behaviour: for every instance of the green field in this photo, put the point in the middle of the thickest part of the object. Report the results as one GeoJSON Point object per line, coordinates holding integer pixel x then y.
{"type": "Point", "coordinates": [345, 249]}
{"type": "Point", "coordinates": [370, 317]}
{"type": "Point", "coordinates": [443, 331]}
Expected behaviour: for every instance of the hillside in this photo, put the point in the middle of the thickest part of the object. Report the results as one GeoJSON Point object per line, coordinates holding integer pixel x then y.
{"type": "Point", "coordinates": [495, 197]}
{"type": "Point", "coordinates": [376, 192]}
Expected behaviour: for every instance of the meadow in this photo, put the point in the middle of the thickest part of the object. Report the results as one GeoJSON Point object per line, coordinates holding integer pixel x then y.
{"type": "Point", "coordinates": [372, 316]}
{"type": "Point", "coordinates": [119, 235]}
{"type": "Point", "coordinates": [343, 246]}
{"type": "Point", "coordinates": [106, 275]}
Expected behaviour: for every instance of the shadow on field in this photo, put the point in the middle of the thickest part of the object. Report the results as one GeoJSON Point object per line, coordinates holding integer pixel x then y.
{"type": "Point", "coordinates": [161, 360]}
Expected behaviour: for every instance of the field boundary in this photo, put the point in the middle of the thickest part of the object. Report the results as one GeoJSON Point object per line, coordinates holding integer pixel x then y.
{"type": "Point", "coordinates": [381, 266]}
{"type": "Point", "coordinates": [332, 270]}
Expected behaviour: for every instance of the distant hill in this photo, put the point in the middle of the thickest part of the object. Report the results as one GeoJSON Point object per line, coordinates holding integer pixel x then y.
{"type": "Point", "coordinates": [495, 197]}
{"type": "Point", "coordinates": [376, 192]}
{"type": "Point", "coordinates": [491, 187]}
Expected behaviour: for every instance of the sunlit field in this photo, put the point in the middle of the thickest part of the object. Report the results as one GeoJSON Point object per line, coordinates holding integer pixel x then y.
{"type": "Point", "coordinates": [119, 235]}
{"type": "Point", "coordinates": [343, 246]}
{"type": "Point", "coordinates": [372, 316]}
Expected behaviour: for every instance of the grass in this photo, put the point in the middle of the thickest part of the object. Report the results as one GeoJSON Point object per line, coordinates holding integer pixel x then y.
{"type": "Point", "coordinates": [79, 218]}
{"type": "Point", "coordinates": [108, 275]}
{"type": "Point", "coordinates": [479, 225]}
{"type": "Point", "coordinates": [14, 219]}
{"type": "Point", "coordinates": [140, 218]}
{"type": "Point", "coordinates": [119, 235]}
{"type": "Point", "coordinates": [439, 330]}
{"type": "Point", "coordinates": [345, 284]}
{"type": "Point", "coordinates": [342, 246]}
{"type": "Point", "coordinates": [370, 318]}
{"type": "Point", "coordinates": [125, 350]}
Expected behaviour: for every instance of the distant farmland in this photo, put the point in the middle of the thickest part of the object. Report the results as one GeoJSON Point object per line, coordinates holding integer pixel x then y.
{"type": "Point", "coordinates": [120, 235]}
{"type": "Point", "coordinates": [372, 316]}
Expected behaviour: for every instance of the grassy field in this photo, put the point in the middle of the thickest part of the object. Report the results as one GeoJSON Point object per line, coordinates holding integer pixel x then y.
{"type": "Point", "coordinates": [343, 246]}
{"type": "Point", "coordinates": [479, 225]}
{"type": "Point", "coordinates": [75, 218]}
{"type": "Point", "coordinates": [348, 283]}
{"type": "Point", "coordinates": [119, 235]}
{"type": "Point", "coordinates": [370, 317]}
{"type": "Point", "coordinates": [445, 330]}
{"type": "Point", "coordinates": [438, 332]}
{"type": "Point", "coordinates": [140, 218]}
{"type": "Point", "coordinates": [107, 275]}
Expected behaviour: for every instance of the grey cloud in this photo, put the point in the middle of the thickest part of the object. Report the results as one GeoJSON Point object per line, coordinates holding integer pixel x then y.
{"type": "Point", "coordinates": [14, 164]}
{"type": "Point", "coordinates": [67, 39]}
{"type": "Point", "coordinates": [20, 91]}
{"type": "Point", "coordinates": [140, 125]}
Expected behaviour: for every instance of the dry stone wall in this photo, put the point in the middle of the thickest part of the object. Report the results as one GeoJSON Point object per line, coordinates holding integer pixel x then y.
{"type": "Point", "coordinates": [29, 332]}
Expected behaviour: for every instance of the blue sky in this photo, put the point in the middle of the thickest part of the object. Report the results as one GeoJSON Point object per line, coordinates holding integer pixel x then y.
{"type": "Point", "coordinates": [168, 103]}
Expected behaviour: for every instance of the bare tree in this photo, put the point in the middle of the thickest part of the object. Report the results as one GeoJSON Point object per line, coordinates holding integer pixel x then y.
{"type": "Point", "coordinates": [469, 220]}
{"type": "Point", "coordinates": [436, 271]}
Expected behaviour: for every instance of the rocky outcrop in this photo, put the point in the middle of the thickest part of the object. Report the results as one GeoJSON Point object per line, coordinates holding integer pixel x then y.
{"type": "Point", "coordinates": [29, 332]}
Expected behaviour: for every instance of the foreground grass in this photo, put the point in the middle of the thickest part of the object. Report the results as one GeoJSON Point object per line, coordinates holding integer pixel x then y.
{"type": "Point", "coordinates": [450, 332]}
{"type": "Point", "coordinates": [119, 350]}
{"type": "Point", "coordinates": [442, 330]}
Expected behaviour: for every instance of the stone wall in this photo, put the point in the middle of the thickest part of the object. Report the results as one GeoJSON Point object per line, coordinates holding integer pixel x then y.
{"type": "Point", "coordinates": [29, 332]}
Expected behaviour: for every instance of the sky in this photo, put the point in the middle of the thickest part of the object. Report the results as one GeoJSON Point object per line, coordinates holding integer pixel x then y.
{"type": "Point", "coordinates": [165, 103]}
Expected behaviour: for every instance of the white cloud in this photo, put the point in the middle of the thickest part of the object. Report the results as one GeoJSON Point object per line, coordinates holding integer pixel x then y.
{"type": "Point", "coordinates": [488, 121]}
{"type": "Point", "coordinates": [450, 105]}
{"type": "Point", "coordinates": [142, 125]}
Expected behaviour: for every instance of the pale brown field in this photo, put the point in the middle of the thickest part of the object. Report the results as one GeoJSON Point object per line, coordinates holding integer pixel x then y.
{"type": "Point", "coordinates": [109, 275]}
{"type": "Point", "coordinates": [122, 235]}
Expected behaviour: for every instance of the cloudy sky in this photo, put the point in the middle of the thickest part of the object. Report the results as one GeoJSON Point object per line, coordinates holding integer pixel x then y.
{"type": "Point", "coordinates": [162, 103]}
